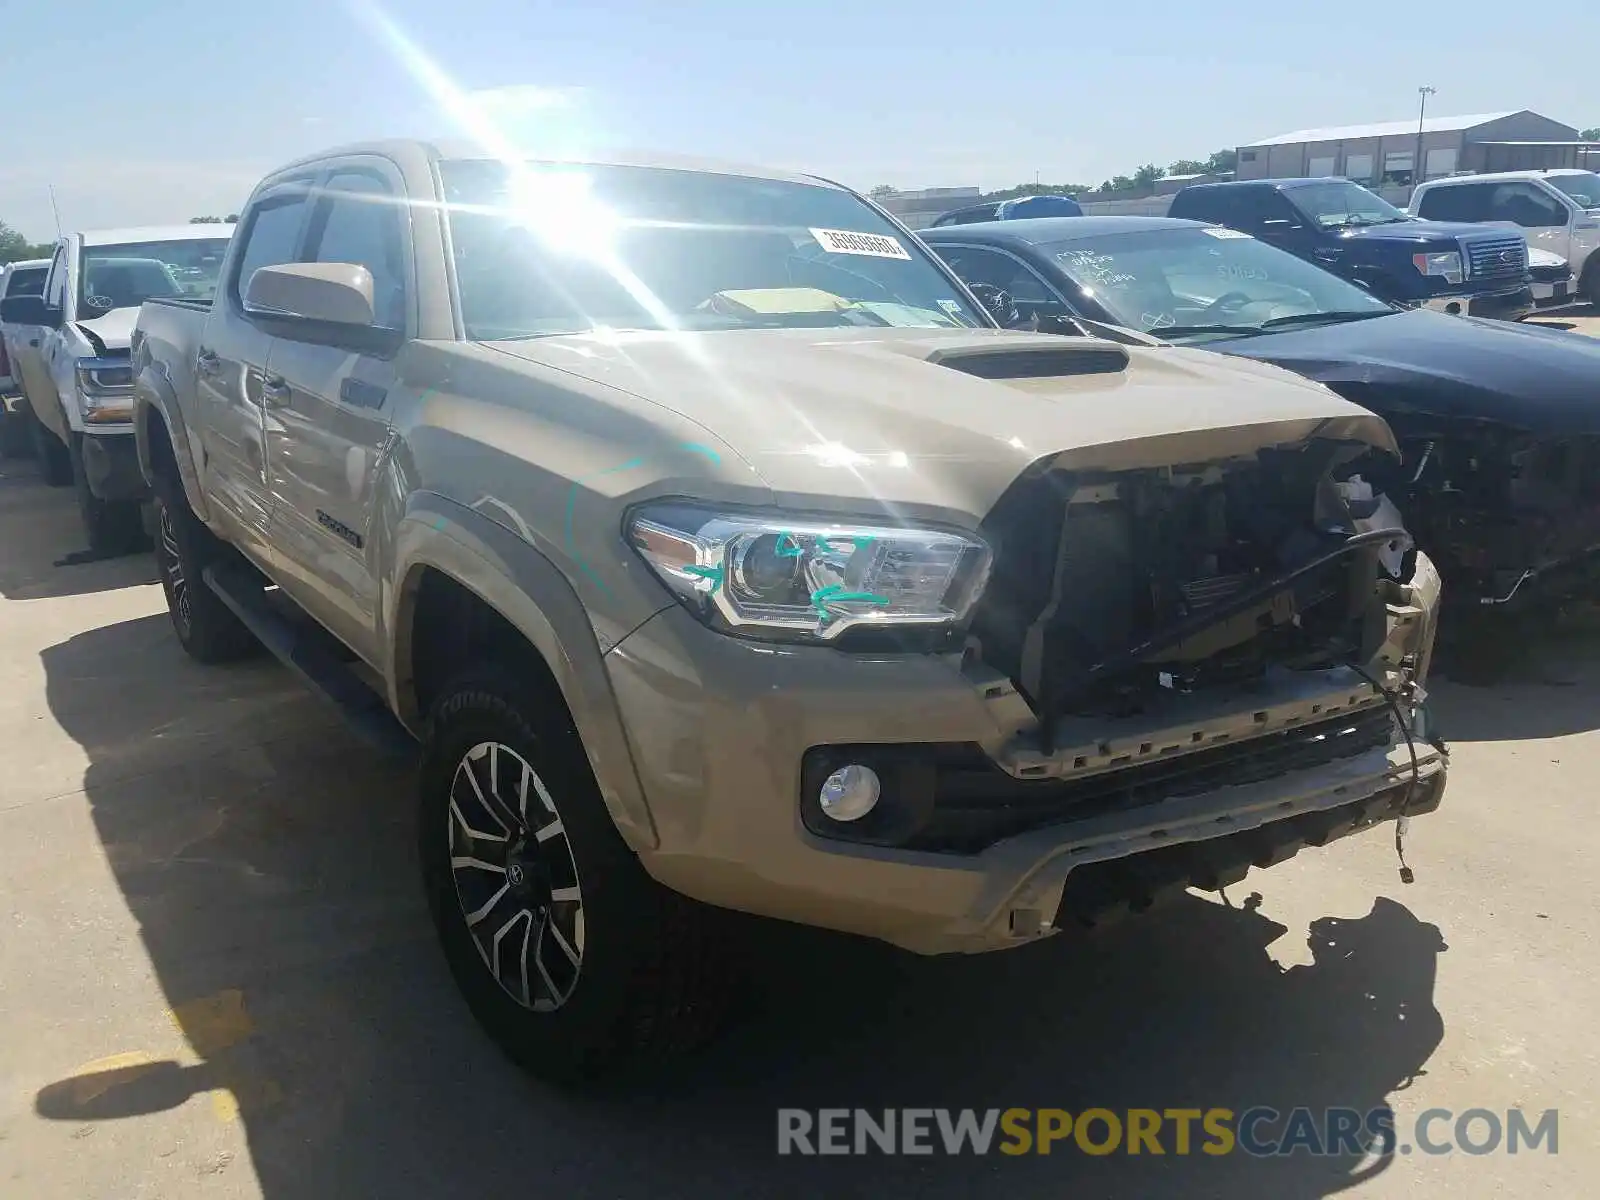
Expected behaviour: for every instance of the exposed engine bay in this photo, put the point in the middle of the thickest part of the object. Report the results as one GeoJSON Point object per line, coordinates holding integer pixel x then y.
{"type": "Point", "coordinates": [1111, 592]}
{"type": "Point", "coordinates": [1497, 509]}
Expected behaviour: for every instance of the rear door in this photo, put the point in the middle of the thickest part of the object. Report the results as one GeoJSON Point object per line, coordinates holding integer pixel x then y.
{"type": "Point", "coordinates": [28, 345]}
{"type": "Point", "coordinates": [329, 411]}
{"type": "Point", "coordinates": [229, 365]}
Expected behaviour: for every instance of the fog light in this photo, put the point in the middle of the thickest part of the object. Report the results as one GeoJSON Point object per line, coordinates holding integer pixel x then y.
{"type": "Point", "coordinates": [850, 793]}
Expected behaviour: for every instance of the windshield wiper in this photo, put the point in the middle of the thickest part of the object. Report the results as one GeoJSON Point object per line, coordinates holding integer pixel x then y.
{"type": "Point", "coordinates": [1317, 318]}
{"type": "Point", "coordinates": [1172, 331]}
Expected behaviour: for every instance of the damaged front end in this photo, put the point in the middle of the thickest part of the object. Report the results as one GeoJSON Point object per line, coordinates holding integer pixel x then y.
{"type": "Point", "coordinates": [1510, 517]}
{"type": "Point", "coordinates": [1193, 669]}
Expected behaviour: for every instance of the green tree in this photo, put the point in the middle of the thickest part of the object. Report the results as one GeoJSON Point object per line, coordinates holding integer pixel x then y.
{"type": "Point", "coordinates": [1145, 177]}
{"type": "Point", "coordinates": [1038, 189]}
{"type": "Point", "coordinates": [1591, 135]}
{"type": "Point", "coordinates": [205, 220]}
{"type": "Point", "coordinates": [883, 191]}
{"type": "Point", "coordinates": [1222, 162]}
{"type": "Point", "coordinates": [1187, 166]}
{"type": "Point", "coordinates": [14, 247]}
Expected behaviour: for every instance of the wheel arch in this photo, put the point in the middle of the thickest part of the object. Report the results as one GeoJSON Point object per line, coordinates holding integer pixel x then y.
{"type": "Point", "coordinates": [445, 554]}
{"type": "Point", "coordinates": [161, 438]}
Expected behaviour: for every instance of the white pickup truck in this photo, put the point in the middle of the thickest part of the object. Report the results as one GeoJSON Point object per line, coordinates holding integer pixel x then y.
{"type": "Point", "coordinates": [73, 365]}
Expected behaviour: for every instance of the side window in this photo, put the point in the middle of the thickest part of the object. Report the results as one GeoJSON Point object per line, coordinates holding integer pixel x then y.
{"type": "Point", "coordinates": [358, 221]}
{"type": "Point", "coordinates": [27, 282]}
{"type": "Point", "coordinates": [1272, 211]}
{"type": "Point", "coordinates": [976, 265]}
{"type": "Point", "coordinates": [1458, 202]}
{"type": "Point", "coordinates": [1527, 206]}
{"type": "Point", "coordinates": [271, 236]}
{"type": "Point", "coordinates": [55, 292]}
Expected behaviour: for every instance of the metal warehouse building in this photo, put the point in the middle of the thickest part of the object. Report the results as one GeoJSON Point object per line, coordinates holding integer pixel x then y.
{"type": "Point", "coordinates": [1384, 155]}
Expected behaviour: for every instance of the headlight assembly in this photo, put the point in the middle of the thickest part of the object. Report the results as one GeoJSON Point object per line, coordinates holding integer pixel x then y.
{"type": "Point", "coordinates": [1446, 264]}
{"type": "Point", "coordinates": [767, 574]}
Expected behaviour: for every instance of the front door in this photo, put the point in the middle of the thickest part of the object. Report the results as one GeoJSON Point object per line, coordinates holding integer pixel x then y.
{"type": "Point", "coordinates": [328, 413]}
{"type": "Point", "coordinates": [29, 346]}
{"type": "Point", "coordinates": [229, 366]}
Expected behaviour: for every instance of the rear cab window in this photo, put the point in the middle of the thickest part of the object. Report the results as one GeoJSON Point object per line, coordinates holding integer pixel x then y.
{"type": "Point", "coordinates": [26, 281]}
{"type": "Point", "coordinates": [1456, 202]}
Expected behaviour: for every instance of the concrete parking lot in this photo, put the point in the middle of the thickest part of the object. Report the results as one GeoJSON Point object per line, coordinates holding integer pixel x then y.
{"type": "Point", "coordinates": [217, 977]}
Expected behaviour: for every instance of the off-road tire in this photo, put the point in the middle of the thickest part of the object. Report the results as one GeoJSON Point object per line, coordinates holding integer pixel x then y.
{"type": "Point", "coordinates": [1589, 284]}
{"type": "Point", "coordinates": [645, 985]}
{"type": "Point", "coordinates": [54, 459]}
{"type": "Point", "coordinates": [112, 526]}
{"type": "Point", "coordinates": [16, 436]}
{"type": "Point", "coordinates": [206, 627]}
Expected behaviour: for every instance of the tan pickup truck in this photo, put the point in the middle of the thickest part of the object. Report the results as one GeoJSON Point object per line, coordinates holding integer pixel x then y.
{"type": "Point", "coordinates": [717, 548]}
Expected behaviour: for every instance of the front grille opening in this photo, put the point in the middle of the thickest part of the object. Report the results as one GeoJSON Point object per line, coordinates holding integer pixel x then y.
{"type": "Point", "coordinates": [1089, 569]}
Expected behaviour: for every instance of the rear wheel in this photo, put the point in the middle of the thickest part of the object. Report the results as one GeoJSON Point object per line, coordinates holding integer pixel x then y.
{"type": "Point", "coordinates": [570, 956]}
{"type": "Point", "coordinates": [206, 627]}
{"type": "Point", "coordinates": [113, 526]}
{"type": "Point", "coordinates": [55, 462]}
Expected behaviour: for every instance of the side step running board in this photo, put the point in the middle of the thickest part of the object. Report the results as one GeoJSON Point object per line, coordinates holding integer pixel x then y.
{"type": "Point", "coordinates": [314, 655]}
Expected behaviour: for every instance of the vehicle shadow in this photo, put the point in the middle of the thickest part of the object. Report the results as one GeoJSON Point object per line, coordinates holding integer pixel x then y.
{"type": "Point", "coordinates": [269, 861]}
{"type": "Point", "coordinates": [1553, 689]}
{"type": "Point", "coordinates": [42, 541]}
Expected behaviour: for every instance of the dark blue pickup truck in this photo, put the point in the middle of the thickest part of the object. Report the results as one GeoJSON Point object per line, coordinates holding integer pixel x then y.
{"type": "Point", "coordinates": [1478, 270]}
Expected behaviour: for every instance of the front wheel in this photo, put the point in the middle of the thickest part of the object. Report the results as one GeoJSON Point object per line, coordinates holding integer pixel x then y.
{"type": "Point", "coordinates": [55, 460]}
{"type": "Point", "coordinates": [570, 956]}
{"type": "Point", "coordinates": [1589, 285]}
{"type": "Point", "coordinates": [113, 526]}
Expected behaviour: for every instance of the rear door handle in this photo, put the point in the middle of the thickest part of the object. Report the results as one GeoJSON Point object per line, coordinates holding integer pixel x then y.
{"type": "Point", "coordinates": [206, 362]}
{"type": "Point", "coordinates": [275, 391]}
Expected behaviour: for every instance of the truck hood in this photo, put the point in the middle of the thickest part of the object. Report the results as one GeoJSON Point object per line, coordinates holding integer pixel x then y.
{"type": "Point", "coordinates": [112, 330]}
{"type": "Point", "coordinates": [948, 419]}
{"type": "Point", "coordinates": [1529, 377]}
{"type": "Point", "coordinates": [1419, 232]}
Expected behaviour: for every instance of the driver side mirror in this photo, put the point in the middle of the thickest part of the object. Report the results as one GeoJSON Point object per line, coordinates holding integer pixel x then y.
{"type": "Point", "coordinates": [338, 294]}
{"type": "Point", "coordinates": [29, 310]}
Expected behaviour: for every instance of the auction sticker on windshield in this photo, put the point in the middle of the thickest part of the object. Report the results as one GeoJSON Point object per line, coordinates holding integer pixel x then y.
{"type": "Point", "coordinates": [1226, 233]}
{"type": "Point", "coordinates": [873, 245]}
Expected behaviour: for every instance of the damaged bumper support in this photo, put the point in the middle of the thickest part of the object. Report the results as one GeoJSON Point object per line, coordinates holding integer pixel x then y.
{"type": "Point", "coordinates": [981, 841]}
{"type": "Point", "coordinates": [111, 466]}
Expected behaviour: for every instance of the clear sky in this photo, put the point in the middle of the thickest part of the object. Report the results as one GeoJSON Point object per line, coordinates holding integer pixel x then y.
{"type": "Point", "coordinates": [144, 111]}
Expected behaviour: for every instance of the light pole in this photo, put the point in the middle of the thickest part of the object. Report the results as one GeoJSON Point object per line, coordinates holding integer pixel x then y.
{"type": "Point", "coordinates": [1422, 111]}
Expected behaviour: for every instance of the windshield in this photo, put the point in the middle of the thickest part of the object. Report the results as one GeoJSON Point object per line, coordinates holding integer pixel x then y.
{"type": "Point", "coordinates": [1198, 282]}
{"type": "Point", "coordinates": [26, 281]}
{"type": "Point", "coordinates": [1584, 188]}
{"type": "Point", "coordinates": [549, 249]}
{"type": "Point", "coordinates": [1339, 203]}
{"type": "Point", "coordinates": [128, 275]}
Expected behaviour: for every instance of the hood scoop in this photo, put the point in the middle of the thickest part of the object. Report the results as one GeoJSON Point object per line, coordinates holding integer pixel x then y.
{"type": "Point", "coordinates": [1032, 362]}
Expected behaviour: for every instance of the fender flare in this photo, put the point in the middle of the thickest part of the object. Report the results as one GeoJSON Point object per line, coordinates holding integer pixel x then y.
{"type": "Point", "coordinates": [155, 399]}
{"type": "Point", "coordinates": [533, 596]}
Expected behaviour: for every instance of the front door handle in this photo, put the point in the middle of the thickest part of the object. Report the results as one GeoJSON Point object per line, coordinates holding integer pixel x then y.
{"type": "Point", "coordinates": [275, 391]}
{"type": "Point", "coordinates": [33, 342]}
{"type": "Point", "coordinates": [206, 362]}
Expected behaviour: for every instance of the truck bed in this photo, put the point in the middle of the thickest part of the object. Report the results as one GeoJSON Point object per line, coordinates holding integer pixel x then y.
{"type": "Point", "coordinates": [167, 334]}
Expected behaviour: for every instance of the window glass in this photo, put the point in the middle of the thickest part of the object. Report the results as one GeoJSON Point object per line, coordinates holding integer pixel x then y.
{"type": "Point", "coordinates": [1525, 205]}
{"type": "Point", "coordinates": [1458, 202]}
{"type": "Point", "coordinates": [271, 237]}
{"type": "Point", "coordinates": [1585, 188]}
{"type": "Point", "coordinates": [1339, 204]}
{"type": "Point", "coordinates": [26, 281]}
{"type": "Point", "coordinates": [545, 249]}
{"type": "Point", "coordinates": [360, 223]}
{"type": "Point", "coordinates": [1358, 167]}
{"type": "Point", "coordinates": [1171, 278]}
{"type": "Point", "coordinates": [125, 276]}
{"type": "Point", "coordinates": [978, 265]}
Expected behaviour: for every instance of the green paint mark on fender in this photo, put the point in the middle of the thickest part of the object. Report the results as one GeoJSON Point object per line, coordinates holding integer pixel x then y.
{"type": "Point", "coordinates": [712, 573]}
{"type": "Point", "coordinates": [835, 594]}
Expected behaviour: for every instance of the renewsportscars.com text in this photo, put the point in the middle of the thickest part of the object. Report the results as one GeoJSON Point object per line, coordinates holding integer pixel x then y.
{"type": "Point", "coordinates": [1260, 1131]}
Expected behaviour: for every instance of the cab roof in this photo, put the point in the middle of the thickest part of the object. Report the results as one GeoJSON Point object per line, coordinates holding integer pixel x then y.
{"type": "Point", "coordinates": [154, 233]}
{"type": "Point", "coordinates": [1034, 230]}
{"type": "Point", "coordinates": [452, 149]}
